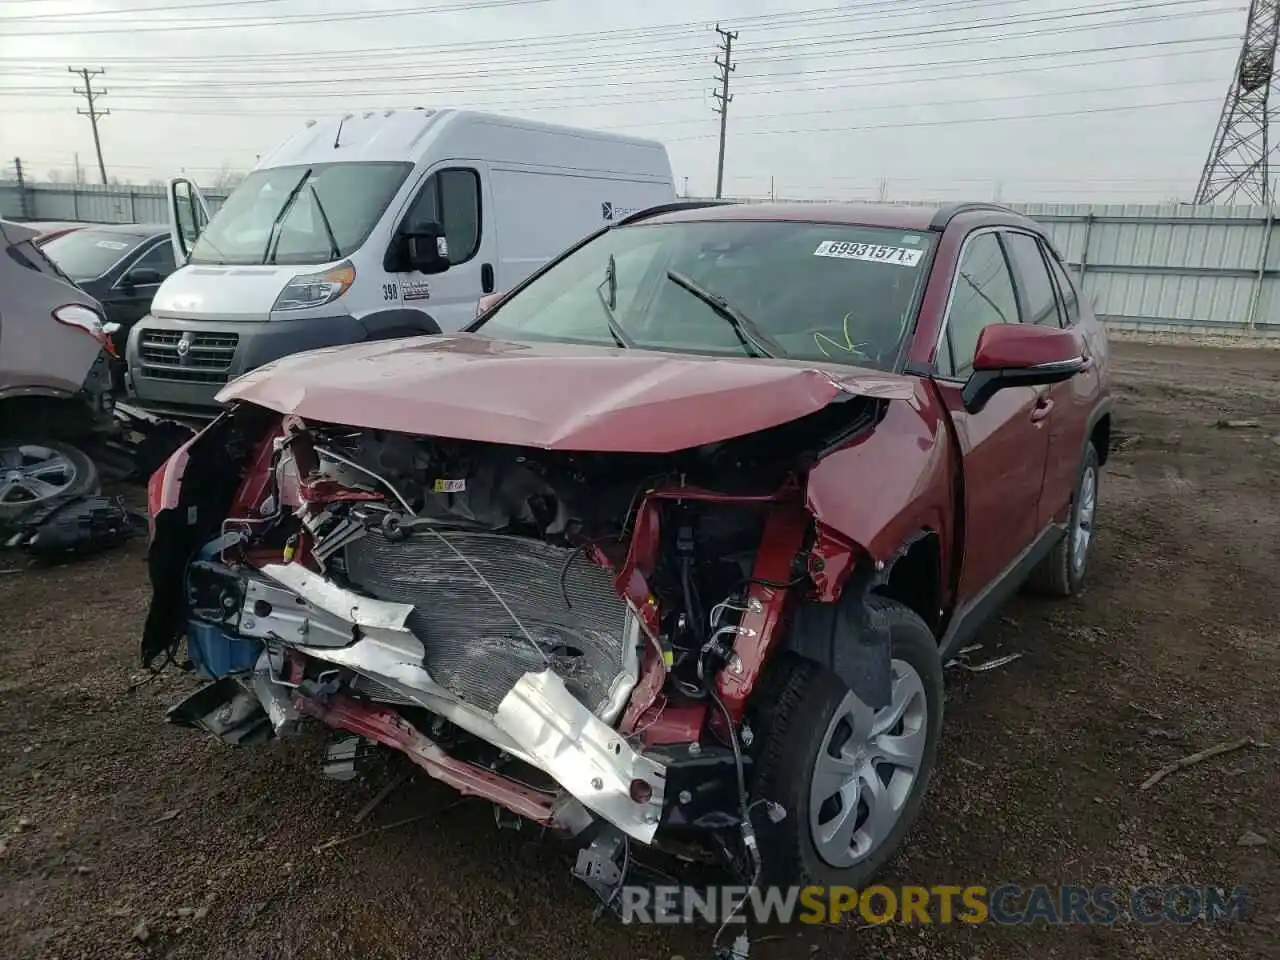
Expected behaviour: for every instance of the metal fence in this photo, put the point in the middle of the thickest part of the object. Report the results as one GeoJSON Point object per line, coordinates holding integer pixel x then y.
{"type": "Point", "coordinates": [87, 202]}
{"type": "Point", "coordinates": [1175, 268]}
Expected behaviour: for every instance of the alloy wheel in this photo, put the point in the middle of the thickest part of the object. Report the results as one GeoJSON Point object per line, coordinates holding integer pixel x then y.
{"type": "Point", "coordinates": [31, 473]}
{"type": "Point", "coordinates": [866, 768]}
{"type": "Point", "coordinates": [1082, 532]}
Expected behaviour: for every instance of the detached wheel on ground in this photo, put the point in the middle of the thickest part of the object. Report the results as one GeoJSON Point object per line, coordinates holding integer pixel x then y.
{"type": "Point", "coordinates": [1062, 572]}
{"type": "Point", "coordinates": [37, 472]}
{"type": "Point", "coordinates": [850, 778]}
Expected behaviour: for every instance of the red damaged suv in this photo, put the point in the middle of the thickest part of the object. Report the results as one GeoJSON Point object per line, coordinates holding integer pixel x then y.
{"type": "Point", "coordinates": [670, 545]}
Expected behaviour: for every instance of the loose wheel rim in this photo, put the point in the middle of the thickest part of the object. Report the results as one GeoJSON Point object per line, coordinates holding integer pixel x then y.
{"type": "Point", "coordinates": [31, 473]}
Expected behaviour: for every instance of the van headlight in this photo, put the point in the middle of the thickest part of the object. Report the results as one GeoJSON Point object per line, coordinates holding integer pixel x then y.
{"type": "Point", "coordinates": [316, 289]}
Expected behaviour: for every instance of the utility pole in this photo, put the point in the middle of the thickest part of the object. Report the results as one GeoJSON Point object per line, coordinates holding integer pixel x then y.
{"type": "Point", "coordinates": [727, 66]}
{"type": "Point", "coordinates": [23, 200]}
{"type": "Point", "coordinates": [78, 177]}
{"type": "Point", "coordinates": [92, 113]}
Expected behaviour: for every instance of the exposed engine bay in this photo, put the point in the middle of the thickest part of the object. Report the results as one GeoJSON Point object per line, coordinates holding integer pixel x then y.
{"type": "Point", "coordinates": [573, 636]}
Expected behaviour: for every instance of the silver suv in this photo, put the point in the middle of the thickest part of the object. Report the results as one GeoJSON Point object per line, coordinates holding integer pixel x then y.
{"type": "Point", "coordinates": [54, 379]}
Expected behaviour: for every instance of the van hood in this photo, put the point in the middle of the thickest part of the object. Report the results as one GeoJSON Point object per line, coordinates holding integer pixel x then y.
{"type": "Point", "coordinates": [212, 291]}
{"type": "Point", "coordinates": [555, 396]}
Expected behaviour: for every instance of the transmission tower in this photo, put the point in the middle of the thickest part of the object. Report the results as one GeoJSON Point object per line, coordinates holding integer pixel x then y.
{"type": "Point", "coordinates": [1238, 167]}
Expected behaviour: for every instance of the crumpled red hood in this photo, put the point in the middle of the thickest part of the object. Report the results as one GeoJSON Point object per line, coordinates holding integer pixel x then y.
{"type": "Point", "coordinates": [556, 396]}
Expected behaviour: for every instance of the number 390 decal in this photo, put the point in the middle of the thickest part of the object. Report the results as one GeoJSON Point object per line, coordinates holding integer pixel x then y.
{"type": "Point", "coordinates": [389, 291]}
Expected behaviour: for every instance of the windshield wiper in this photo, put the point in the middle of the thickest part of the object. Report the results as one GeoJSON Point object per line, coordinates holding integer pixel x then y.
{"type": "Point", "coordinates": [752, 337]}
{"type": "Point", "coordinates": [335, 253]}
{"type": "Point", "coordinates": [620, 336]}
{"type": "Point", "coordinates": [283, 212]}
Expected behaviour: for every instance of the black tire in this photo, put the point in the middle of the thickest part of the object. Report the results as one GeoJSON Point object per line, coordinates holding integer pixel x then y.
{"type": "Point", "coordinates": [79, 478]}
{"type": "Point", "coordinates": [1057, 575]}
{"type": "Point", "coordinates": [802, 702]}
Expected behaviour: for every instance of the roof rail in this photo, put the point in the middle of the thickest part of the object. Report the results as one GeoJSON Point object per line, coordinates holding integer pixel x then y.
{"type": "Point", "coordinates": [674, 207]}
{"type": "Point", "coordinates": [945, 214]}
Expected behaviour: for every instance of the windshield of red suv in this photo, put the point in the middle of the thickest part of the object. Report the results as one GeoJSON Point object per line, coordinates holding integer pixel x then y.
{"type": "Point", "coordinates": [806, 291]}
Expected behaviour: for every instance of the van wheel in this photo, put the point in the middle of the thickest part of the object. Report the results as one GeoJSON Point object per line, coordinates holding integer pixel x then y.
{"type": "Point", "coordinates": [36, 473]}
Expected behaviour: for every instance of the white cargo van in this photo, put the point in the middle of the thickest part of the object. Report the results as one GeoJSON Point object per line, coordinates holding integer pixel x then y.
{"type": "Point", "coordinates": [386, 224]}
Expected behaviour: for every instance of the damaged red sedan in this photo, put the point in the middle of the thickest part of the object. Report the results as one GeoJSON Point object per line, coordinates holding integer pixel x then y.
{"type": "Point", "coordinates": [670, 545]}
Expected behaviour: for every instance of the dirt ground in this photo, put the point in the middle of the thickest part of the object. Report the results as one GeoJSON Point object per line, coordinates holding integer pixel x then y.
{"type": "Point", "coordinates": [123, 837]}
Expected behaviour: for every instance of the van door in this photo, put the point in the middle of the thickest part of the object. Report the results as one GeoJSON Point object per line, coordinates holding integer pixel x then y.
{"type": "Point", "coordinates": [188, 214]}
{"type": "Point", "coordinates": [452, 196]}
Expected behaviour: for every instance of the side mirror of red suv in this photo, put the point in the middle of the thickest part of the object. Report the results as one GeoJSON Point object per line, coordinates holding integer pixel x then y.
{"type": "Point", "coordinates": [1021, 355]}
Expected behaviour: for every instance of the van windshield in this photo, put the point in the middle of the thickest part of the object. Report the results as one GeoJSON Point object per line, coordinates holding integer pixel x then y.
{"type": "Point", "coordinates": [804, 291]}
{"type": "Point", "coordinates": [305, 214]}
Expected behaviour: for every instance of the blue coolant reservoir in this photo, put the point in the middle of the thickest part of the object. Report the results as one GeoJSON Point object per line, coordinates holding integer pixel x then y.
{"type": "Point", "coordinates": [216, 654]}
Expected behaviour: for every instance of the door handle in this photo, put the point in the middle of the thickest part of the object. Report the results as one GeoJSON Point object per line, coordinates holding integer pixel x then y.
{"type": "Point", "coordinates": [486, 277]}
{"type": "Point", "coordinates": [1042, 408]}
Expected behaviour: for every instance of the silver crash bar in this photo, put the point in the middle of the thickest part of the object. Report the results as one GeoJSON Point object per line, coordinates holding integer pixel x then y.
{"type": "Point", "coordinates": [539, 721]}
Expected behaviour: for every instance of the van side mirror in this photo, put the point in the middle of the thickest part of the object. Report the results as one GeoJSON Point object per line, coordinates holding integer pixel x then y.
{"type": "Point", "coordinates": [1021, 355]}
{"type": "Point", "coordinates": [426, 248]}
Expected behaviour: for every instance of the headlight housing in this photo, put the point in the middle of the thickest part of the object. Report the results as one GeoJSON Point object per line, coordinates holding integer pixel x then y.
{"type": "Point", "coordinates": [316, 289]}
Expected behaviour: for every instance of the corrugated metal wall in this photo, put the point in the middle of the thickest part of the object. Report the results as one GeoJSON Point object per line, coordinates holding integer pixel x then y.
{"type": "Point", "coordinates": [1179, 267]}
{"type": "Point", "coordinates": [87, 202]}
{"type": "Point", "coordinates": [1168, 267]}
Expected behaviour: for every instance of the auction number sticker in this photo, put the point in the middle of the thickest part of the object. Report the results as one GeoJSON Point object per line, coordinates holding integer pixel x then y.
{"type": "Point", "coordinates": [873, 252]}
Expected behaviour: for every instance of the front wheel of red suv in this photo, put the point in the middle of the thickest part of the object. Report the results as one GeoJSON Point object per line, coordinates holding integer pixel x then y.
{"type": "Point", "coordinates": [1062, 572]}
{"type": "Point", "coordinates": [850, 778]}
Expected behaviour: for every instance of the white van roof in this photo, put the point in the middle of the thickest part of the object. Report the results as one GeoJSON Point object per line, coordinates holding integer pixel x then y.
{"type": "Point", "coordinates": [400, 135]}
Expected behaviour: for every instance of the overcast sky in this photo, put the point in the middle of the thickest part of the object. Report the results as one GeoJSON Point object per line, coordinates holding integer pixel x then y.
{"type": "Point", "coordinates": [1093, 100]}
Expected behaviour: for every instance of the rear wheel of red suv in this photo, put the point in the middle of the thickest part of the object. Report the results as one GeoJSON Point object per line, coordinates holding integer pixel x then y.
{"type": "Point", "coordinates": [1062, 572]}
{"type": "Point", "coordinates": [850, 778]}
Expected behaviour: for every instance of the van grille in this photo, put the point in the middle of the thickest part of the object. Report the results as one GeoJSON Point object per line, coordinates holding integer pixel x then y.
{"type": "Point", "coordinates": [206, 358]}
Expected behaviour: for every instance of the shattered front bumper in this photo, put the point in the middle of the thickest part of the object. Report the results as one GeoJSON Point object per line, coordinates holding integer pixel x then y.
{"type": "Point", "coordinates": [290, 614]}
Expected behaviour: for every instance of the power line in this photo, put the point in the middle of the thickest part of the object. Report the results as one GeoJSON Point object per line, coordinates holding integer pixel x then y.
{"type": "Point", "coordinates": [881, 78]}
{"type": "Point", "coordinates": [116, 11]}
{"type": "Point", "coordinates": [1119, 108]}
{"type": "Point", "coordinates": [801, 17]}
{"type": "Point", "coordinates": [92, 113]}
{"type": "Point", "coordinates": [201, 89]}
{"type": "Point", "coordinates": [478, 46]}
{"type": "Point", "coordinates": [237, 23]}
{"type": "Point", "coordinates": [956, 120]}
{"type": "Point", "coordinates": [597, 42]}
{"type": "Point", "coordinates": [930, 67]}
{"type": "Point", "coordinates": [723, 97]}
